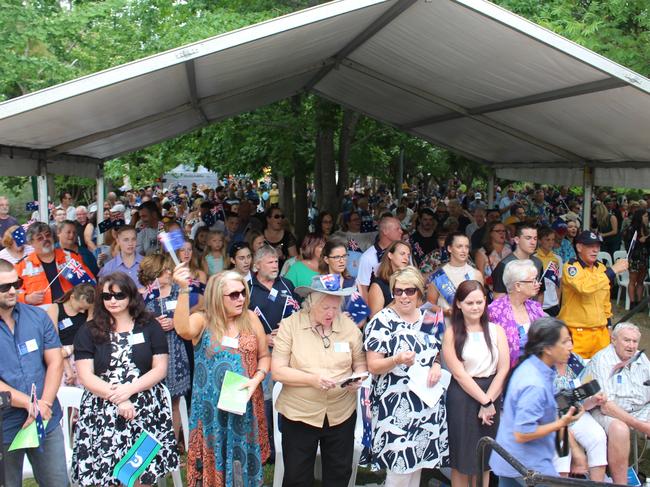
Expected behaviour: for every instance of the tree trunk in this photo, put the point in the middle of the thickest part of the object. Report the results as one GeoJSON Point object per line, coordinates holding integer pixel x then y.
{"type": "Point", "coordinates": [299, 180]}
{"type": "Point", "coordinates": [285, 185]}
{"type": "Point", "coordinates": [325, 173]}
{"type": "Point", "coordinates": [348, 128]}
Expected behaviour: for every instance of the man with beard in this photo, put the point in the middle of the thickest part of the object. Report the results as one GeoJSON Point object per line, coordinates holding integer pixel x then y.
{"type": "Point", "coordinates": [31, 357]}
{"type": "Point", "coordinates": [43, 267]}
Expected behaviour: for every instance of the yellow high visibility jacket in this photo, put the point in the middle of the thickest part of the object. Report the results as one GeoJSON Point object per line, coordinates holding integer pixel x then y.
{"type": "Point", "coordinates": [586, 294]}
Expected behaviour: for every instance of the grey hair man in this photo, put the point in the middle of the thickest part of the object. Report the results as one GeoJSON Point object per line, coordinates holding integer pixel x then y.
{"type": "Point", "coordinates": [622, 370]}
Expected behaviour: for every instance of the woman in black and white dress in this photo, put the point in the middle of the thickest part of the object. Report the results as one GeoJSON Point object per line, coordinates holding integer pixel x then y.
{"type": "Point", "coordinates": [121, 358]}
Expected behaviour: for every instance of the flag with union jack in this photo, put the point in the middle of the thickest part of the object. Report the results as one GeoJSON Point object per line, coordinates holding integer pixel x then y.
{"type": "Point", "coordinates": [290, 306]}
{"type": "Point", "coordinates": [263, 319]}
{"type": "Point", "coordinates": [552, 273]}
{"type": "Point", "coordinates": [75, 273]}
{"type": "Point", "coordinates": [152, 291]}
{"type": "Point", "coordinates": [353, 245]}
{"type": "Point", "coordinates": [331, 282]}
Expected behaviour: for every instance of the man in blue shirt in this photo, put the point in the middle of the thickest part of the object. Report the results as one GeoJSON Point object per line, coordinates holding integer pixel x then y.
{"type": "Point", "coordinates": [31, 354]}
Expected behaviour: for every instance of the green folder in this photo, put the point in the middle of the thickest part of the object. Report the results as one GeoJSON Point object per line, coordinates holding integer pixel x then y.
{"type": "Point", "coordinates": [232, 397]}
{"type": "Point", "coordinates": [26, 437]}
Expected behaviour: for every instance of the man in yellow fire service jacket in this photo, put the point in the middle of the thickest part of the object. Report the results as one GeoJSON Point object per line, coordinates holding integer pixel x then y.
{"type": "Point", "coordinates": [586, 306]}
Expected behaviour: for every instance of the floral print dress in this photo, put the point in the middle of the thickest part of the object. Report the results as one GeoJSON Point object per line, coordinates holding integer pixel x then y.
{"type": "Point", "coordinates": [407, 434]}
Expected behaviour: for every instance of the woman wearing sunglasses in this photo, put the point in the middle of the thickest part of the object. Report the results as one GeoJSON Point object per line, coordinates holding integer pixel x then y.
{"type": "Point", "coordinates": [314, 352]}
{"type": "Point", "coordinates": [279, 238]}
{"type": "Point", "coordinates": [121, 359]}
{"type": "Point", "coordinates": [396, 257]}
{"type": "Point", "coordinates": [476, 354]}
{"type": "Point", "coordinates": [408, 435]}
{"type": "Point", "coordinates": [226, 337]}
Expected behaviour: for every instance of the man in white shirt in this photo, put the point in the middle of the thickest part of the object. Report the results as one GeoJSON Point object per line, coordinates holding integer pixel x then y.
{"type": "Point", "coordinates": [622, 372]}
{"type": "Point", "coordinates": [390, 230]}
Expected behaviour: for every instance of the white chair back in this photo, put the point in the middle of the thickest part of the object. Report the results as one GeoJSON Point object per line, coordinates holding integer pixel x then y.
{"type": "Point", "coordinates": [605, 258]}
{"type": "Point", "coordinates": [620, 254]}
{"type": "Point", "coordinates": [70, 399]}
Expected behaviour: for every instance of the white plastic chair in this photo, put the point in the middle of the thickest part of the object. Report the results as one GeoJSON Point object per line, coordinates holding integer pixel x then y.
{"type": "Point", "coordinates": [176, 474]}
{"type": "Point", "coordinates": [185, 422]}
{"type": "Point", "coordinates": [622, 280]}
{"type": "Point", "coordinates": [277, 440]}
{"type": "Point", "coordinates": [605, 258]}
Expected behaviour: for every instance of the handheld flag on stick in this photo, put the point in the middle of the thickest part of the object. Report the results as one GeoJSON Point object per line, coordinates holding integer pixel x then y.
{"type": "Point", "coordinates": [172, 241]}
{"type": "Point", "coordinates": [75, 273]}
{"type": "Point", "coordinates": [632, 242]}
{"type": "Point", "coordinates": [65, 266]}
{"type": "Point", "coordinates": [331, 282]}
{"type": "Point", "coordinates": [137, 459]}
{"type": "Point", "coordinates": [35, 411]}
{"type": "Point", "coordinates": [262, 318]}
{"type": "Point", "coordinates": [357, 308]}
{"type": "Point", "coordinates": [31, 206]}
{"type": "Point", "coordinates": [152, 291]}
{"type": "Point", "coordinates": [552, 272]}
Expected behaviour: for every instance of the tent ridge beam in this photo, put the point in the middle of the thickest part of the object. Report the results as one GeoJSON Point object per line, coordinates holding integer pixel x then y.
{"type": "Point", "coordinates": [553, 95]}
{"type": "Point", "coordinates": [430, 97]}
{"type": "Point", "coordinates": [190, 71]}
{"type": "Point", "coordinates": [383, 20]}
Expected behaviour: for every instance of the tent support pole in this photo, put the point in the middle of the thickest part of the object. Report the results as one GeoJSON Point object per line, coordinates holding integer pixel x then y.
{"type": "Point", "coordinates": [100, 201]}
{"type": "Point", "coordinates": [490, 189]}
{"type": "Point", "coordinates": [588, 185]}
{"type": "Point", "coordinates": [41, 189]}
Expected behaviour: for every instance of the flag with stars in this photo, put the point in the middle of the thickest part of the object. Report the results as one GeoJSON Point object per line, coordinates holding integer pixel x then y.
{"type": "Point", "coordinates": [263, 319]}
{"type": "Point", "coordinates": [20, 236]}
{"type": "Point", "coordinates": [433, 324]}
{"type": "Point", "coordinates": [552, 273]}
{"type": "Point", "coordinates": [357, 308]}
{"type": "Point", "coordinates": [76, 274]}
{"type": "Point", "coordinates": [151, 292]}
{"type": "Point", "coordinates": [353, 245]}
{"type": "Point", "coordinates": [31, 206]}
{"type": "Point", "coordinates": [290, 306]}
{"type": "Point", "coordinates": [218, 213]}
{"type": "Point", "coordinates": [38, 418]}
{"type": "Point", "coordinates": [172, 241]}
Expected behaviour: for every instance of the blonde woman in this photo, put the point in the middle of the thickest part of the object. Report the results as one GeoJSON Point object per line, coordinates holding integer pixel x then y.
{"type": "Point", "coordinates": [226, 336]}
{"type": "Point", "coordinates": [606, 224]}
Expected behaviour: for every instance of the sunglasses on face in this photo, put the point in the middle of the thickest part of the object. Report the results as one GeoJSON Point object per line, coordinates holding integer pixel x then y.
{"type": "Point", "coordinates": [235, 295]}
{"type": "Point", "coordinates": [409, 291]}
{"type": "Point", "coordinates": [119, 296]}
{"type": "Point", "coordinates": [7, 287]}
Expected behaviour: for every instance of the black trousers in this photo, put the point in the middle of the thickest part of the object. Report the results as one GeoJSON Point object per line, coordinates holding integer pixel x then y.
{"type": "Point", "coordinates": [299, 444]}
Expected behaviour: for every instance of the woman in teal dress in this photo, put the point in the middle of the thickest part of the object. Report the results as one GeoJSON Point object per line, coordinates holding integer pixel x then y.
{"type": "Point", "coordinates": [225, 449]}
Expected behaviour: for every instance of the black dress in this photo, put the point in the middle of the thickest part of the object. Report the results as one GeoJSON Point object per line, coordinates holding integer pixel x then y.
{"type": "Point", "coordinates": [385, 289]}
{"type": "Point", "coordinates": [69, 325]}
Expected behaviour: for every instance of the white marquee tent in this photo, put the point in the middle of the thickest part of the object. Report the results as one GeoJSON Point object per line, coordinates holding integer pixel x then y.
{"type": "Point", "coordinates": [463, 74]}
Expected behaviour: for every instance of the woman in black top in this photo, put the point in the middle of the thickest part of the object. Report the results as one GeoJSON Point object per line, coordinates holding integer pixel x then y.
{"type": "Point", "coordinates": [121, 358]}
{"type": "Point", "coordinates": [396, 257]}
{"type": "Point", "coordinates": [68, 314]}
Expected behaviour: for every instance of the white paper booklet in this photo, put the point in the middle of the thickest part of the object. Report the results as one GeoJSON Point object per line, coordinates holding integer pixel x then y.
{"type": "Point", "coordinates": [418, 384]}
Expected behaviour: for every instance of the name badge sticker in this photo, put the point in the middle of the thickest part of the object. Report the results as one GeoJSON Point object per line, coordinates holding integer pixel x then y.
{"type": "Point", "coordinates": [619, 379]}
{"type": "Point", "coordinates": [65, 323]}
{"type": "Point", "coordinates": [342, 347]}
{"type": "Point", "coordinates": [28, 347]}
{"type": "Point", "coordinates": [230, 342]}
{"type": "Point", "coordinates": [273, 294]}
{"type": "Point", "coordinates": [136, 338]}
{"type": "Point", "coordinates": [170, 305]}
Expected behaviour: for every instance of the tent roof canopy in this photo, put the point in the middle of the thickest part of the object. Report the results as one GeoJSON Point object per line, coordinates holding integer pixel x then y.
{"type": "Point", "coordinates": [463, 74]}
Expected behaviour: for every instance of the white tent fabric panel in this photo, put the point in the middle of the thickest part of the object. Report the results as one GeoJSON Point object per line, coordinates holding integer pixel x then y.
{"type": "Point", "coordinates": [614, 130]}
{"type": "Point", "coordinates": [467, 58]}
{"type": "Point", "coordinates": [570, 176]}
{"type": "Point", "coordinates": [378, 99]}
{"type": "Point", "coordinates": [464, 74]}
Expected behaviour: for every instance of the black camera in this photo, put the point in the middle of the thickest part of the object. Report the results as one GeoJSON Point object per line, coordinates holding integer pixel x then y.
{"type": "Point", "coordinates": [573, 397]}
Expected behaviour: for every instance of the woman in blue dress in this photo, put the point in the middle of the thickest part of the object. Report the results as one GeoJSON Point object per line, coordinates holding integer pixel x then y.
{"type": "Point", "coordinates": [225, 449]}
{"type": "Point", "coordinates": [160, 297]}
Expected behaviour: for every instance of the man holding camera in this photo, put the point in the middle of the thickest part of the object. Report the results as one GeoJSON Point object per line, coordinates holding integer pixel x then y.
{"type": "Point", "coordinates": [622, 370]}
{"type": "Point", "coordinates": [31, 354]}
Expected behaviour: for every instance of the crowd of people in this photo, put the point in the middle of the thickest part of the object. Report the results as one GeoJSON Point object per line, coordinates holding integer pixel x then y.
{"type": "Point", "coordinates": [500, 307]}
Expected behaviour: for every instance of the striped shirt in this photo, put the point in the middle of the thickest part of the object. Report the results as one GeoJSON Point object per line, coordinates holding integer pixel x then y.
{"type": "Point", "coordinates": [625, 387]}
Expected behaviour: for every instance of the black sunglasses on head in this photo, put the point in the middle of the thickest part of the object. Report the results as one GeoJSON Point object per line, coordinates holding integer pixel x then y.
{"type": "Point", "coordinates": [7, 287]}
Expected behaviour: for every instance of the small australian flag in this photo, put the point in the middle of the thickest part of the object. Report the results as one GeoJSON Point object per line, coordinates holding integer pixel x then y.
{"type": "Point", "coordinates": [38, 418]}
{"type": "Point", "coordinates": [19, 235]}
{"type": "Point", "coordinates": [357, 308]}
{"type": "Point", "coordinates": [31, 206]}
{"type": "Point", "coordinates": [75, 273]}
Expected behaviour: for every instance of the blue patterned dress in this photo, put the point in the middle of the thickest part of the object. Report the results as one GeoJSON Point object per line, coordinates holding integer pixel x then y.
{"type": "Point", "coordinates": [223, 443]}
{"type": "Point", "coordinates": [407, 434]}
{"type": "Point", "coordinates": [178, 368]}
